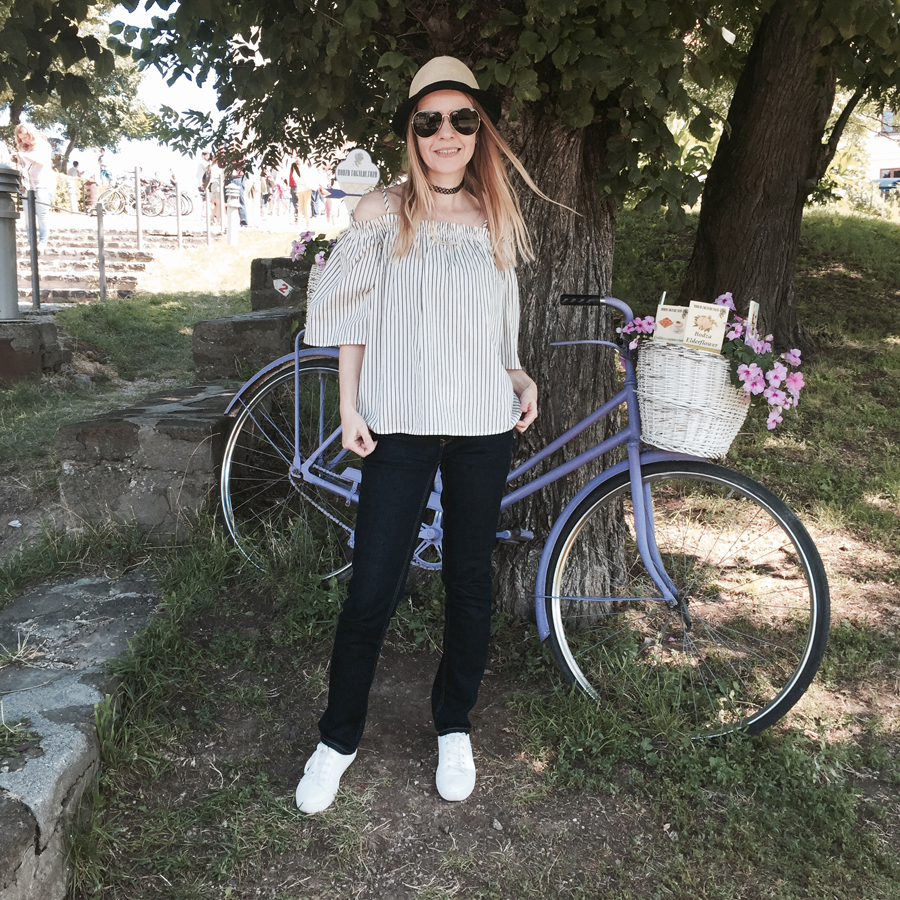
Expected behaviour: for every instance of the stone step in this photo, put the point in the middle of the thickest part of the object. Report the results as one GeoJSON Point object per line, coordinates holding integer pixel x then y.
{"type": "Point", "coordinates": [152, 465]}
{"type": "Point", "coordinates": [233, 346]}
{"type": "Point", "coordinates": [49, 265]}
{"type": "Point", "coordinates": [77, 626]}
{"type": "Point", "coordinates": [111, 253]}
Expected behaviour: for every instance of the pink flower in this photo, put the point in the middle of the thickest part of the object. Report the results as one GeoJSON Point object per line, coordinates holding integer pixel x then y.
{"type": "Point", "coordinates": [306, 236]}
{"type": "Point", "coordinates": [736, 332]}
{"type": "Point", "coordinates": [775, 418]}
{"type": "Point", "coordinates": [726, 300]}
{"type": "Point", "coordinates": [775, 397]}
{"type": "Point", "coordinates": [320, 259]}
{"type": "Point", "coordinates": [633, 344]}
{"type": "Point", "coordinates": [776, 375]}
{"type": "Point", "coordinates": [792, 356]}
{"type": "Point", "coordinates": [794, 384]}
{"type": "Point", "coordinates": [749, 373]}
{"type": "Point", "coordinates": [758, 346]}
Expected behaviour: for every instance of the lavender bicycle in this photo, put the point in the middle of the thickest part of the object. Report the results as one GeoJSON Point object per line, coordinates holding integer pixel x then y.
{"type": "Point", "coordinates": [663, 565]}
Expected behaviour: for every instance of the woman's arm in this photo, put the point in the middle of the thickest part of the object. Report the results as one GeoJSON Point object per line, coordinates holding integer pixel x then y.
{"type": "Point", "coordinates": [355, 436]}
{"type": "Point", "coordinates": [526, 391]}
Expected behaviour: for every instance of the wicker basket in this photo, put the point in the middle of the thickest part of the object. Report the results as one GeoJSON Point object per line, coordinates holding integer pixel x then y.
{"type": "Point", "coordinates": [688, 403]}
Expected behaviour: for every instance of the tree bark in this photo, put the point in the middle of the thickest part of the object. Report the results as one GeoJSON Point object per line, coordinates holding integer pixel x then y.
{"type": "Point", "coordinates": [766, 165]}
{"type": "Point", "coordinates": [574, 254]}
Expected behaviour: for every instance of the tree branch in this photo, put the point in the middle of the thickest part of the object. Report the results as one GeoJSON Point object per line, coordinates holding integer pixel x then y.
{"type": "Point", "coordinates": [829, 149]}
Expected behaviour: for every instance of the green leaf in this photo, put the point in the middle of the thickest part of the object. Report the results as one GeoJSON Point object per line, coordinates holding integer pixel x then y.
{"type": "Point", "coordinates": [370, 9]}
{"type": "Point", "coordinates": [392, 60]}
{"type": "Point", "coordinates": [701, 127]}
{"type": "Point", "coordinates": [502, 73]}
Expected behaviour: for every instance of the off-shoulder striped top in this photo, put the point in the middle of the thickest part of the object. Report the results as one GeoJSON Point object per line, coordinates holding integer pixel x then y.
{"type": "Point", "coordinates": [440, 327]}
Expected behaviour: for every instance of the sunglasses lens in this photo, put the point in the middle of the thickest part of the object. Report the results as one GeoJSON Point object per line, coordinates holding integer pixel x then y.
{"type": "Point", "coordinates": [465, 121]}
{"type": "Point", "coordinates": [427, 123]}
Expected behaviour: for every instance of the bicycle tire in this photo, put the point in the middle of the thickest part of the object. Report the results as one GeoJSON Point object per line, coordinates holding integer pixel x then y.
{"type": "Point", "coordinates": [152, 203]}
{"type": "Point", "coordinates": [271, 517]}
{"type": "Point", "coordinates": [187, 204]}
{"type": "Point", "coordinates": [746, 571]}
{"type": "Point", "coordinates": [113, 201]}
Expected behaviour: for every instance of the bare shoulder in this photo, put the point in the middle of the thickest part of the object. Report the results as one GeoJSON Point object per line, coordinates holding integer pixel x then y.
{"type": "Point", "coordinates": [371, 206]}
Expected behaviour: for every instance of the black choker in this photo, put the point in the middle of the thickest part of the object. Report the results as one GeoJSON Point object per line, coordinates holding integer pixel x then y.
{"type": "Point", "coordinates": [442, 190]}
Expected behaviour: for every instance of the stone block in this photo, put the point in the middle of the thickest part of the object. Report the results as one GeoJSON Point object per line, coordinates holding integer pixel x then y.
{"type": "Point", "coordinates": [263, 275]}
{"type": "Point", "coordinates": [237, 346]}
{"type": "Point", "coordinates": [153, 465]}
{"type": "Point", "coordinates": [28, 347]}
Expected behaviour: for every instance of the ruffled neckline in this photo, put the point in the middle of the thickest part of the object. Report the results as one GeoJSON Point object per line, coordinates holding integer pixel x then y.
{"type": "Point", "coordinates": [382, 223]}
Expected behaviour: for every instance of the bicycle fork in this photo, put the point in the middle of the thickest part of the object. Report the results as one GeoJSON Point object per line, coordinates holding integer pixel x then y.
{"type": "Point", "coordinates": [645, 536]}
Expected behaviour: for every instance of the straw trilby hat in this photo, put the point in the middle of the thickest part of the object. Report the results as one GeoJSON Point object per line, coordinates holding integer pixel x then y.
{"type": "Point", "coordinates": [443, 73]}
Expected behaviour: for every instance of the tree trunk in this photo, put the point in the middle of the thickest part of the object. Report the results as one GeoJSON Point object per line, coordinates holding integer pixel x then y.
{"type": "Point", "coordinates": [70, 146]}
{"type": "Point", "coordinates": [574, 254]}
{"type": "Point", "coordinates": [763, 172]}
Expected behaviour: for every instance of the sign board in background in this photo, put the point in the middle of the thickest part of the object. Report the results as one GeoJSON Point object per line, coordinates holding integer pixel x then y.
{"type": "Point", "coordinates": [356, 176]}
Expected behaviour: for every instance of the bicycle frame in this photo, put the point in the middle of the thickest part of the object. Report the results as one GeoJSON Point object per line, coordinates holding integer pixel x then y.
{"type": "Point", "coordinates": [629, 436]}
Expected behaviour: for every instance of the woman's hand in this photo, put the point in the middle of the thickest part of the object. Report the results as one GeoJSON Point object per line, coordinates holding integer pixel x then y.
{"type": "Point", "coordinates": [526, 391]}
{"type": "Point", "coordinates": [355, 434]}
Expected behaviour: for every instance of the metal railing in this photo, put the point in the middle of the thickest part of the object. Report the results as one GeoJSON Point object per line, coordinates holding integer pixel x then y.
{"type": "Point", "coordinates": [30, 212]}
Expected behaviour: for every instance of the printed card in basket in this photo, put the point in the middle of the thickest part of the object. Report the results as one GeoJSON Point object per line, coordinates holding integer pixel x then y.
{"type": "Point", "coordinates": [670, 322]}
{"type": "Point", "coordinates": [705, 326]}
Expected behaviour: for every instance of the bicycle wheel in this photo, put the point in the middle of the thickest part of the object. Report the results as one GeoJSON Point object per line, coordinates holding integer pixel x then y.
{"type": "Point", "coordinates": [187, 205]}
{"type": "Point", "coordinates": [270, 515]}
{"type": "Point", "coordinates": [751, 625]}
{"type": "Point", "coordinates": [113, 201]}
{"type": "Point", "coordinates": [152, 203]}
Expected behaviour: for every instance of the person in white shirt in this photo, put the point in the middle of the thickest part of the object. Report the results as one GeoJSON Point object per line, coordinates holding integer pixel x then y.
{"type": "Point", "coordinates": [74, 172]}
{"type": "Point", "coordinates": [36, 163]}
{"type": "Point", "coordinates": [421, 297]}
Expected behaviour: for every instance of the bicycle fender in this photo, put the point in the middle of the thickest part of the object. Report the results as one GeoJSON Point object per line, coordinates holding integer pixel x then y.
{"type": "Point", "coordinates": [288, 358]}
{"type": "Point", "coordinates": [540, 606]}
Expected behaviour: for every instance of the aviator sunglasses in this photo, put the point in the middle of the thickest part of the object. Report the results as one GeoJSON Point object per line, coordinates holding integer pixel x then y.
{"type": "Point", "coordinates": [428, 122]}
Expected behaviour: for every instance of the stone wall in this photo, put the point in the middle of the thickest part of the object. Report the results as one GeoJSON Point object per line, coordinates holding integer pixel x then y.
{"type": "Point", "coordinates": [263, 275]}
{"type": "Point", "coordinates": [153, 465]}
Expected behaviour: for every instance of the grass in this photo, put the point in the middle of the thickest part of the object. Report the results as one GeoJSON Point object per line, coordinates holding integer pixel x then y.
{"type": "Point", "coordinates": [15, 737]}
{"type": "Point", "coordinates": [221, 692]}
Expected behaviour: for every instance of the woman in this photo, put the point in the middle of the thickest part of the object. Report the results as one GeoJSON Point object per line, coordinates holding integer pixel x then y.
{"type": "Point", "coordinates": [36, 162]}
{"type": "Point", "coordinates": [421, 297]}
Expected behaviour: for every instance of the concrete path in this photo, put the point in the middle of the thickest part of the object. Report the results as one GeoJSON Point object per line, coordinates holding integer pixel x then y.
{"type": "Point", "coordinates": [54, 644]}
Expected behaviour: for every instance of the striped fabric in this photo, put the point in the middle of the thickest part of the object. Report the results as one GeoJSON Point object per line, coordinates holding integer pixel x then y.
{"type": "Point", "coordinates": [440, 327]}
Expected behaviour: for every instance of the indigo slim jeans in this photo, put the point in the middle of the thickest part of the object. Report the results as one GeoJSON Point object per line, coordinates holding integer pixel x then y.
{"type": "Point", "coordinates": [397, 480]}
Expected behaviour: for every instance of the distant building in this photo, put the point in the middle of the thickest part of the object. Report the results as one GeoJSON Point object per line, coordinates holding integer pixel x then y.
{"type": "Point", "coordinates": [884, 152]}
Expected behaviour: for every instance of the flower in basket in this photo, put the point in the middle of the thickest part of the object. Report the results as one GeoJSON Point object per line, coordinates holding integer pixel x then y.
{"type": "Point", "coordinates": [755, 368]}
{"type": "Point", "coordinates": [312, 249]}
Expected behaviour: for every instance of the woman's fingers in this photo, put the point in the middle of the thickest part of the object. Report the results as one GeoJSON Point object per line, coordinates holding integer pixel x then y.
{"type": "Point", "coordinates": [356, 437]}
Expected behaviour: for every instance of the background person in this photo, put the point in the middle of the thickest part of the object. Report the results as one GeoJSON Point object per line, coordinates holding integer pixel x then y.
{"type": "Point", "coordinates": [422, 299]}
{"type": "Point", "coordinates": [303, 189]}
{"type": "Point", "coordinates": [36, 163]}
{"type": "Point", "coordinates": [75, 188]}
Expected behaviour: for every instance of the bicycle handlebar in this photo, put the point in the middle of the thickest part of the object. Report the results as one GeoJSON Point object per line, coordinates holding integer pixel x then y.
{"type": "Point", "coordinates": [597, 300]}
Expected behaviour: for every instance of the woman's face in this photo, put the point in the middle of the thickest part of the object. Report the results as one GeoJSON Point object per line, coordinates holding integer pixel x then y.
{"type": "Point", "coordinates": [24, 140]}
{"type": "Point", "coordinates": [447, 151]}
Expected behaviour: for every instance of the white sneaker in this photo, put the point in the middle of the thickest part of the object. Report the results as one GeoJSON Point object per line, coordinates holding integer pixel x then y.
{"type": "Point", "coordinates": [321, 779]}
{"type": "Point", "coordinates": [456, 768]}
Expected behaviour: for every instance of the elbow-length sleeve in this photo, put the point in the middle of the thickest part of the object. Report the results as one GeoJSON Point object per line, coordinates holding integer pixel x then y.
{"type": "Point", "coordinates": [509, 328]}
{"type": "Point", "coordinates": [338, 311]}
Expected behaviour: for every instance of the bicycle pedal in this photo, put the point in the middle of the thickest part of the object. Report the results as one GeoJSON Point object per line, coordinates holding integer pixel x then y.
{"type": "Point", "coordinates": [515, 536]}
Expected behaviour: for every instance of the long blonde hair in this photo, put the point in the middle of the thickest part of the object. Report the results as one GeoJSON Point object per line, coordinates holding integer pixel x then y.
{"type": "Point", "coordinates": [488, 180]}
{"type": "Point", "coordinates": [26, 128]}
